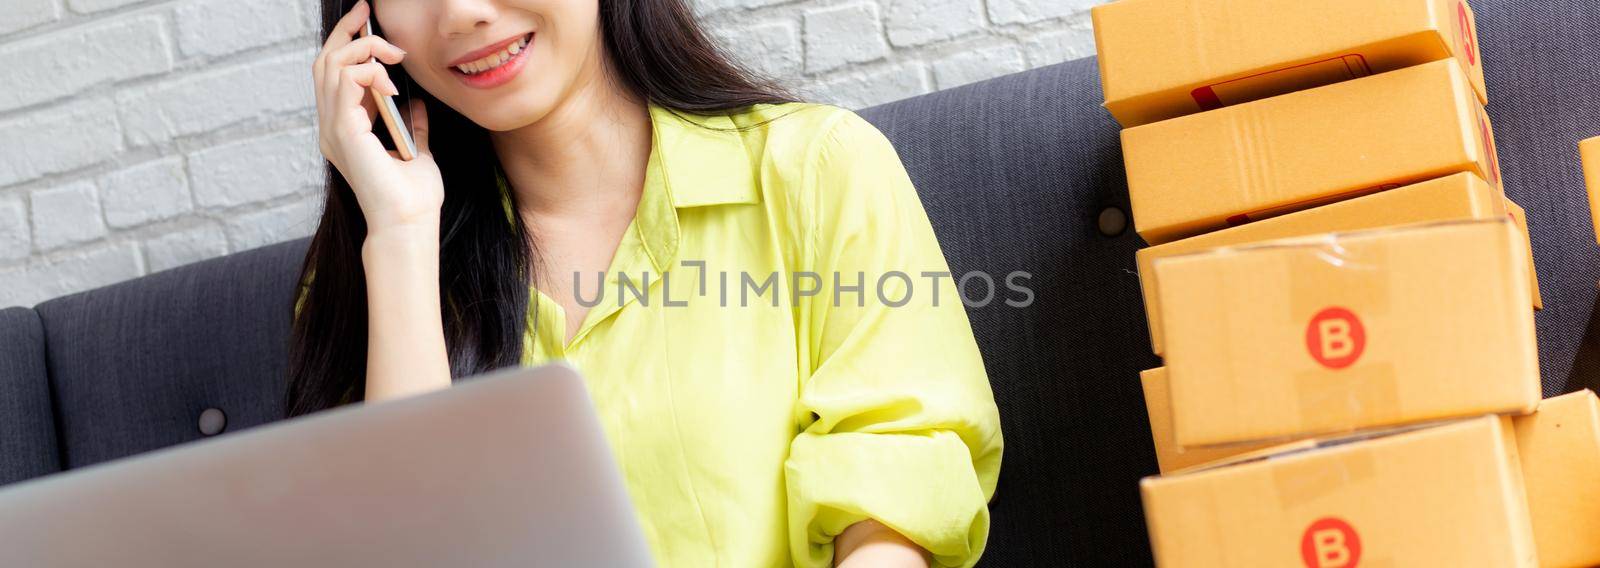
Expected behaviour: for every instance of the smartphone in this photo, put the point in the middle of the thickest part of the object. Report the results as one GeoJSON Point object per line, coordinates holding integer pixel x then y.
{"type": "Point", "coordinates": [391, 115]}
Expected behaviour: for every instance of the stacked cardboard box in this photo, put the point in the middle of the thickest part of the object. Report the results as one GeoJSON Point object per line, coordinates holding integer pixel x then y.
{"type": "Point", "coordinates": [1169, 455]}
{"type": "Point", "coordinates": [1462, 196]}
{"type": "Point", "coordinates": [1341, 292]}
{"type": "Point", "coordinates": [1448, 495]}
{"type": "Point", "coordinates": [1161, 59]}
{"type": "Point", "coordinates": [1261, 159]}
{"type": "Point", "coordinates": [1590, 153]}
{"type": "Point", "coordinates": [1560, 447]}
{"type": "Point", "coordinates": [1341, 332]}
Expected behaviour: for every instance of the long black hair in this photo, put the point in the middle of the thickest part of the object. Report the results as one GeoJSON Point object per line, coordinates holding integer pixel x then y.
{"type": "Point", "coordinates": [657, 51]}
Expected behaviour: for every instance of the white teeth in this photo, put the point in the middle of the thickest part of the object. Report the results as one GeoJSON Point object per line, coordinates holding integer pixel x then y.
{"type": "Point", "coordinates": [496, 60]}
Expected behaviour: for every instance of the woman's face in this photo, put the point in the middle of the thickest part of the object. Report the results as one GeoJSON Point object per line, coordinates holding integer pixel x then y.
{"type": "Point", "coordinates": [503, 64]}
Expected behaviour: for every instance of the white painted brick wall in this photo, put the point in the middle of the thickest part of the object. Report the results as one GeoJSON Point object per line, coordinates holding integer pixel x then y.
{"type": "Point", "coordinates": [230, 175]}
{"type": "Point", "coordinates": [141, 135]}
{"type": "Point", "coordinates": [66, 215]}
{"type": "Point", "coordinates": [151, 191]}
{"type": "Point", "coordinates": [23, 14]}
{"type": "Point", "coordinates": [46, 68]}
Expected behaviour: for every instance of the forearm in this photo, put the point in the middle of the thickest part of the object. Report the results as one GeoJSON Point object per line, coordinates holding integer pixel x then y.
{"type": "Point", "coordinates": [405, 331]}
{"type": "Point", "coordinates": [869, 544]}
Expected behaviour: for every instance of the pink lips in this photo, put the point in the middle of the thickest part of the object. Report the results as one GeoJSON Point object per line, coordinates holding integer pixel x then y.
{"type": "Point", "coordinates": [499, 75]}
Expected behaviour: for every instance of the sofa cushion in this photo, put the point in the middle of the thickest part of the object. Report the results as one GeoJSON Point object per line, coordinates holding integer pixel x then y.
{"type": "Point", "coordinates": [135, 366]}
{"type": "Point", "coordinates": [27, 425]}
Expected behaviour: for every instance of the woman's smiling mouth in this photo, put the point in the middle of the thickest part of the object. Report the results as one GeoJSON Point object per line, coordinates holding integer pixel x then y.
{"type": "Point", "coordinates": [496, 67]}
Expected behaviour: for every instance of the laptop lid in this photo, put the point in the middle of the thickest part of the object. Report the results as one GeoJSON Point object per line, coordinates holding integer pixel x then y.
{"type": "Point", "coordinates": [508, 469]}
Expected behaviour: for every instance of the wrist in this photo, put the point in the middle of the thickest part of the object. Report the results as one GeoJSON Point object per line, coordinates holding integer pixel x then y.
{"type": "Point", "coordinates": [870, 543]}
{"type": "Point", "coordinates": [410, 238]}
{"type": "Point", "coordinates": [416, 224]}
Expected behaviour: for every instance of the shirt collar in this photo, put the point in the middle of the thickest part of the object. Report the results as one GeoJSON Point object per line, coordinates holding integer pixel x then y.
{"type": "Point", "coordinates": [703, 157]}
{"type": "Point", "coordinates": [695, 161]}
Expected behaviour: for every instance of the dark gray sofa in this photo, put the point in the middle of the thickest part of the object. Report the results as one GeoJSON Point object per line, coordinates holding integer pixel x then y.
{"type": "Point", "coordinates": [1014, 172]}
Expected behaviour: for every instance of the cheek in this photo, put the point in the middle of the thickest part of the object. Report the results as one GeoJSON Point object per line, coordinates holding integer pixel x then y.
{"type": "Point", "coordinates": [574, 29]}
{"type": "Point", "coordinates": [577, 56]}
{"type": "Point", "coordinates": [426, 74]}
{"type": "Point", "coordinates": [404, 22]}
{"type": "Point", "coordinates": [409, 35]}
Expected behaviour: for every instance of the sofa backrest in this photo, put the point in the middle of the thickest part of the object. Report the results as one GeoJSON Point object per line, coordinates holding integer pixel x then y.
{"type": "Point", "coordinates": [135, 366]}
{"type": "Point", "coordinates": [27, 425]}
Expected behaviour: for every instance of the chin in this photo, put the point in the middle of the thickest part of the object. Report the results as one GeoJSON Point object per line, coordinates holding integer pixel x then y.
{"type": "Point", "coordinates": [509, 111]}
{"type": "Point", "coordinates": [502, 121]}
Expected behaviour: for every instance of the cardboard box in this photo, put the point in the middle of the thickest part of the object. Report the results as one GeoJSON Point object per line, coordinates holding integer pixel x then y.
{"type": "Point", "coordinates": [1274, 156]}
{"type": "Point", "coordinates": [1520, 217]}
{"type": "Point", "coordinates": [1446, 495]}
{"type": "Point", "coordinates": [1560, 448]}
{"type": "Point", "coordinates": [1171, 457]}
{"type": "Point", "coordinates": [1455, 197]}
{"type": "Point", "coordinates": [1161, 59]}
{"type": "Point", "coordinates": [1590, 151]}
{"type": "Point", "coordinates": [1345, 331]}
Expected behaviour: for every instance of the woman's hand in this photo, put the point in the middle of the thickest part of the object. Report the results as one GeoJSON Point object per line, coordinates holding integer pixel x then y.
{"type": "Point", "coordinates": [401, 201]}
{"type": "Point", "coordinates": [869, 544]}
{"type": "Point", "coordinates": [393, 193]}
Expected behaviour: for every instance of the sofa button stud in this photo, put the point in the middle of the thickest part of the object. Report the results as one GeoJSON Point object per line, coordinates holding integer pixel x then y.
{"type": "Point", "coordinates": [1112, 221]}
{"type": "Point", "coordinates": [212, 421]}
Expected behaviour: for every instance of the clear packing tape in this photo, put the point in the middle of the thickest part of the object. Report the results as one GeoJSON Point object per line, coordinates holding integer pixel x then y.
{"type": "Point", "coordinates": [1335, 275]}
{"type": "Point", "coordinates": [1427, 321]}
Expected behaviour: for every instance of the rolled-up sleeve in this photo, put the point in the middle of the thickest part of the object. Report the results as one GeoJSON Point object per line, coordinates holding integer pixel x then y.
{"type": "Point", "coordinates": [896, 419]}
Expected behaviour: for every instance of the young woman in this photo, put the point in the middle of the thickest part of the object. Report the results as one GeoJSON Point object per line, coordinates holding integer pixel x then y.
{"type": "Point", "coordinates": [749, 285]}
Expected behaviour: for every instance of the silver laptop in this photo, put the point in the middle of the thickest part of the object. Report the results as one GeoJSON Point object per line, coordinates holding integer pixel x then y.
{"type": "Point", "coordinates": [510, 469]}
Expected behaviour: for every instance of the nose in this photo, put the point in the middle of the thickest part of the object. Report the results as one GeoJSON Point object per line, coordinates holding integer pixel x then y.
{"type": "Point", "coordinates": [463, 17]}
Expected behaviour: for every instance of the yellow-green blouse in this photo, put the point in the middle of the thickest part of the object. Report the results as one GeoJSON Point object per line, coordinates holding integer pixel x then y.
{"type": "Point", "coordinates": [750, 435]}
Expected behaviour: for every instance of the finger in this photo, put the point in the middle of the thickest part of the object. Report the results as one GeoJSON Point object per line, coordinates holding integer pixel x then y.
{"type": "Point", "coordinates": [347, 27]}
{"type": "Point", "coordinates": [352, 115]}
{"type": "Point", "coordinates": [419, 126]}
{"type": "Point", "coordinates": [358, 52]}
{"type": "Point", "coordinates": [340, 35]}
{"type": "Point", "coordinates": [316, 74]}
{"type": "Point", "coordinates": [330, 81]}
{"type": "Point", "coordinates": [356, 79]}
{"type": "Point", "coordinates": [361, 50]}
{"type": "Point", "coordinates": [383, 84]}
{"type": "Point", "coordinates": [319, 90]}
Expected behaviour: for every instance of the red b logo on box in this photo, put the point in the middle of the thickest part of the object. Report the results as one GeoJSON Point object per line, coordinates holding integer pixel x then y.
{"type": "Point", "coordinates": [1465, 34]}
{"type": "Point", "coordinates": [1330, 543]}
{"type": "Point", "coordinates": [1335, 338]}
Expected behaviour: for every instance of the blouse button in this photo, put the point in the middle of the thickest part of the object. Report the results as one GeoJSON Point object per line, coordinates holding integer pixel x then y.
{"type": "Point", "coordinates": [212, 421]}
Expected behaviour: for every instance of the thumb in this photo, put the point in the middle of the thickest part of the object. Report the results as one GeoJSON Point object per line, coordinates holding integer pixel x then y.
{"type": "Point", "coordinates": [419, 126]}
